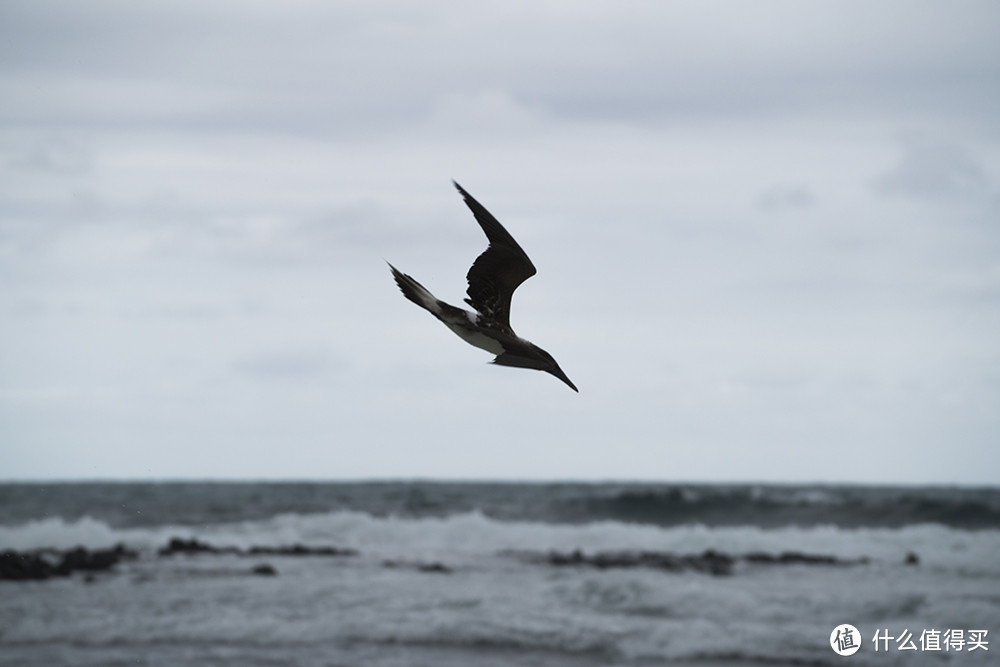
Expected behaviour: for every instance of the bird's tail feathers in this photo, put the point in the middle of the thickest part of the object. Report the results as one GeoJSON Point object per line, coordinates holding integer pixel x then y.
{"type": "Point", "coordinates": [414, 291]}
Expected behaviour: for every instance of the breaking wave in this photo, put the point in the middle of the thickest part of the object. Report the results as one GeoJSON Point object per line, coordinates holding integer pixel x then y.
{"type": "Point", "coordinates": [472, 536]}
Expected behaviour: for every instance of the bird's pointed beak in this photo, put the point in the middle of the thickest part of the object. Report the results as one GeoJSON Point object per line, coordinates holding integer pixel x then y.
{"type": "Point", "coordinates": [562, 376]}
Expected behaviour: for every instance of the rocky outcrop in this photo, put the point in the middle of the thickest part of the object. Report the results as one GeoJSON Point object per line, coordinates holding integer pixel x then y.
{"type": "Point", "coordinates": [179, 545]}
{"type": "Point", "coordinates": [708, 562]}
{"type": "Point", "coordinates": [44, 564]}
{"type": "Point", "coordinates": [264, 570]}
{"type": "Point", "coordinates": [18, 566]}
{"type": "Point", "coordinates": [799, 558]}
{"type": "Point", "coordinates": [299, 550]}
{"type": "Point", "coordinates": [431, 568]}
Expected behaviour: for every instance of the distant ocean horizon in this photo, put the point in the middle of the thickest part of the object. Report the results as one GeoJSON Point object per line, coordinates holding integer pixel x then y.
{"type": "Point", "coordinates": [422, 572]}
{"type": "Point", "coordinates": [658, 503]}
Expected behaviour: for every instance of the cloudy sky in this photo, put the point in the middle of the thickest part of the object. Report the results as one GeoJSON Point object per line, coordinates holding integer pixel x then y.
{"type": "Point", "coordinates": [767, 237]}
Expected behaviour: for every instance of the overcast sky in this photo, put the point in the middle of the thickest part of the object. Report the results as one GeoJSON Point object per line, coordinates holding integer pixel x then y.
{"type": "Point", "coordinates": [767, 237]}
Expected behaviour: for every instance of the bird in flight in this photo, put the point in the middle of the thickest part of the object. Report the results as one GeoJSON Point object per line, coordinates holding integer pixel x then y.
{"type": "Point", "coordinates": [492, 280]}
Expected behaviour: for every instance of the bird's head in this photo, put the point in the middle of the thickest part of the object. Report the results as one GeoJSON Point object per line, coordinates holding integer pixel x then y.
{"type": "Point", "coordinates": [549, 365]}
{"type": "Point", "coordinates": [528, 355]}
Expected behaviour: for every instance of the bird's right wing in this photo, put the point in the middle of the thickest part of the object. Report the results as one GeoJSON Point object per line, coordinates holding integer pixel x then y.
{"type": "Point", "coordinates": [499, 270]}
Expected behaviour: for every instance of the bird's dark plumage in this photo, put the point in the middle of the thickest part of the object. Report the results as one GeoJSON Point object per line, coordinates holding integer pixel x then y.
{"type": "Point", "coordinates": [494, 276]}
{"type": "Point", "coordinates": [497, 272]}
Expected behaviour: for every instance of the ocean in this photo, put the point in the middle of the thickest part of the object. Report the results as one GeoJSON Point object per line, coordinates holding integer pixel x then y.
{"type": "Point", "coordinates": [455, 574]}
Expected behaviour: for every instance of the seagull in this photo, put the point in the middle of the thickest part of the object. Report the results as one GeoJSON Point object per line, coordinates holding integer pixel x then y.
{"type": "Point", "coordinates": [492, 280]}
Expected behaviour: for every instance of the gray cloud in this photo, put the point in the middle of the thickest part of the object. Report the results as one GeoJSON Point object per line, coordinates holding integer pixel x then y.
{"type": "Point", "coordinates": [734, 252]}
{"type": "Point", "coordinates": [293, 365]}
{"type": "Point", "coordinates": [780, 198]}
{"type": "Point", "coordinates": [933, 169]}
{"type": "Point", "coordinates": [339, 70]}
{"type": "Point", "coordinates": [54, 153]}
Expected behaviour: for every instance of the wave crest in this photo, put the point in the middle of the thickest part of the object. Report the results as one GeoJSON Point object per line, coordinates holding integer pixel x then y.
{"type": "Point", "coordinates": [57, 533]}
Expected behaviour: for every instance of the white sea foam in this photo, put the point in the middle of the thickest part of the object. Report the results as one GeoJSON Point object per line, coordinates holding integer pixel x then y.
{"type": "Point", "coordinates": [473, 534]}
{"type": "Point", "coordinates": [486, 606]}
{"type": "Point", "coordinates": [359, 611]}
{"type": "Point", "coordinates": [57, 533]}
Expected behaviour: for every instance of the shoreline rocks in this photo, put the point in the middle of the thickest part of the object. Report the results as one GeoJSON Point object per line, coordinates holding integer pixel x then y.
{"type": "Point", "coordinates": [264, 570]}
{"type": "Point", "coordinates": [45, 564]}
{"type": "Point", "coordinates": [711, 562]}
{"type": "Point", "coordinates": [178, 545]}
{"type": "Point", "coordinates": [433, 567]}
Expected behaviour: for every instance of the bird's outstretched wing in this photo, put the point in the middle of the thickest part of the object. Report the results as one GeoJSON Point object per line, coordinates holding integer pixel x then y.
{"type": "Point", "coordinates": [498, 271]}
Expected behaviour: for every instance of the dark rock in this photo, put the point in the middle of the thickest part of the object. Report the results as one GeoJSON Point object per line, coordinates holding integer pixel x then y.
{"type": "Point", "coordinates": [434, 568]}
{"type": "Point", "coordinates": [798, 558]}
{"type": "Point", "coordinates": [431, 568]}
{"type": "Point", "coordinates": [760, 558]}
{"type": "Point", "coordinates": [711, 562]}
{"type": "Point", "coordinates": [17, 566]}
{"type": "Point", "coordinates": [179, 545]}
{"type": "Point", "coordinates": [912, 559]}
{"type": "Point", "coordinates": [300, 550]}
{"type": "Point", "coordinates": [572, 558]}
{"type": "Point", "coordinates": [714, 563]}
{"type": "Point", "coordinates": [28, 566]}
{"type": "Point", "coordinates": [98, 560]}
{"type": "Point", "coordinates": [264, 570]}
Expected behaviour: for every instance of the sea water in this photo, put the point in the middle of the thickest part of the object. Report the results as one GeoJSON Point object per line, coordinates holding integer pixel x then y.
{"type": "Point", "coordinates": [463, 574]}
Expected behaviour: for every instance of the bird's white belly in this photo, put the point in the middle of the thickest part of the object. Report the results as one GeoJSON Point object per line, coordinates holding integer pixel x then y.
{"type": "Point", "coordinates": [477, 339]}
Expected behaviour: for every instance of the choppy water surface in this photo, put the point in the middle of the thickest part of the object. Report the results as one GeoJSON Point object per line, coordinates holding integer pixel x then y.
{"type": "Point", "coordinates": [401, 573]}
